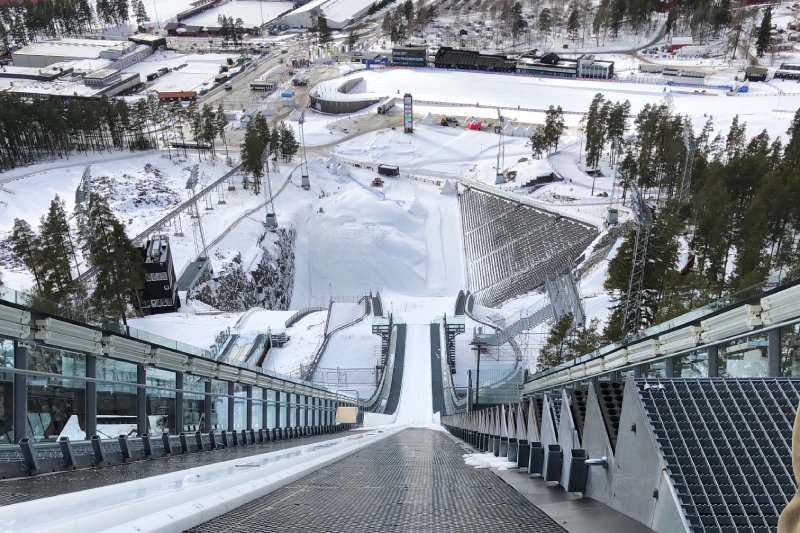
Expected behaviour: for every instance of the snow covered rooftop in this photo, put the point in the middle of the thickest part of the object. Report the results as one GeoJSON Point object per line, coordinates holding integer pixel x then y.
{"type": "Point", "coordinates": [77, 48]}
{"type": "Point", "coordinates": [344, 10]}
{"type": "Point", "coordinates": [252, 13]}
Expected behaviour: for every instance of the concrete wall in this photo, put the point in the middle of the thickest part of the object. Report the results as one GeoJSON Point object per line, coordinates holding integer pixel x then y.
{"type": "Point", "coordinates": [333, 106]}
{"type": "Point", "coordinates": [38, 61]}
{"type": "Point", "coordinates": [567, 436]}
{"type": "Point", "coordinates": [634, 471]}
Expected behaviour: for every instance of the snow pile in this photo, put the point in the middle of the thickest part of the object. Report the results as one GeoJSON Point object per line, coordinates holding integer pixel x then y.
{"type": "Point", "coordinates": [343, 313]}
{"type": "Point", "coordinates": [448, 188]}
{"type": "Point", "coordinates": [488, 460]}
{"type": "Point", "coordinates": [429, 119]}
{"type": "Point", "coordinates": [294, 116]}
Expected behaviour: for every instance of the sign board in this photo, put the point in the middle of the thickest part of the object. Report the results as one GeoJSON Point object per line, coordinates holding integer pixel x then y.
{"type": "Point", "coordinates": [408, 117]}
{"type": "Point", "coordinates": [346, 415]}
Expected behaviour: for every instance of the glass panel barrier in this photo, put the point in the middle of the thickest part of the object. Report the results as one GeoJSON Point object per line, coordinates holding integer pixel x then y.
{"type": "Point", "coordinates": [790, 350]}
{"type": "Point", "coordinates": [257, 407]}
{"type": "Point", "coordinates": [692, 365]}
{"type": "Point", "coordinates": [239, 407]}
{"type": "Point", "coordinates": [56, 404]}
{"type": "Point", "coordinates": [746, 357]}
{"type": "Point", "coordinates": [194, 388]}
{"type": "Point", "coordinates": [6, 392]}
{"type": "Point", "coordinates": [219, 404]}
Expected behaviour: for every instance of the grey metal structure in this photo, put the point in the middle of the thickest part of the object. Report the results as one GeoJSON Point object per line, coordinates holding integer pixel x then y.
{"type": "Point", "coordinates": [194, 214]}
{"type": "Point", "coordinates": [632, 317]}
{"type": "Point", "coordinates": [271, 220]}
{"type": "Point", "coordinates": [686, 182]}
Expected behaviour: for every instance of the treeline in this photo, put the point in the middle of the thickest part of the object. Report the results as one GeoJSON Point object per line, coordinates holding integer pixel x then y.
{"type": "Point", "coordinates": [262, 143]}
{"type": "Point", "coordinates": [738, 226]}
{"type": "Point", "coordinates": [59, 251]}
{"type": "Point", "coordinates": [20, 25]}
{"type": "Point", "coordinates": [36, 129]}
{"type": "Point", "coordinates": [406, 19]}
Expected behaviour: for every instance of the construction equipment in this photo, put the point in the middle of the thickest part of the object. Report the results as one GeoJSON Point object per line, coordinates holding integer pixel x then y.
{"type": "Point", "coordinates": [376, 182]}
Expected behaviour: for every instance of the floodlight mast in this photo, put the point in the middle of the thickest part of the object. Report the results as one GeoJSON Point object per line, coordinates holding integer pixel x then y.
{"type": "Point", "coordinates": [501, 149]}
{"type": "Point", "coordinates": [305, 183]}
{"type": "Point", "coordinates": [271, 220]}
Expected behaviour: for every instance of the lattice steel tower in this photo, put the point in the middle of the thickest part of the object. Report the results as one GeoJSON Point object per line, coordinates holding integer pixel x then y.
{"type": "Point", "coordinates": [632, 317]}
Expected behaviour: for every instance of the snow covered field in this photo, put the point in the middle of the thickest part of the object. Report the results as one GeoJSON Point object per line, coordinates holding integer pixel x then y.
{"type": "Point", "coordinates": [450, 90]}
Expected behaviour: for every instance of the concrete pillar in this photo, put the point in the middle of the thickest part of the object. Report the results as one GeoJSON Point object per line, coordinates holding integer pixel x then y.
{"type": "Point", "coordinates": [207, 407]}
{"type": "Point", "coordinates": [20, 393]}
{"type": "Point", "coordinates": [264, 408]}
{"type": "Point", "coordinates": [141, 400]}
{"type": "Point", "coordinates": [669, 367]}
{"type": "Point", "coordinates": [277, 409]}
{"type": "Point", "coordinates": [178, 402]}
{"type": "Point", "coordinates": [249, 389]}
{"type": "Point", "coordinates": [774, 353]}
{"type": "Point", "coordinates": [288, 421]}
{"type": "Point", "coordinates": [231, 404]}
{"type": "Point", "coordinates": [91, 397]}
{"type": "Point", "coordinates": [713, 361]}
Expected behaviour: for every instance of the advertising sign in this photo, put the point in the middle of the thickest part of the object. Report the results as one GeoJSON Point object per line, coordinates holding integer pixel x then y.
{"type": "Point", "coordinates": [408, 117]}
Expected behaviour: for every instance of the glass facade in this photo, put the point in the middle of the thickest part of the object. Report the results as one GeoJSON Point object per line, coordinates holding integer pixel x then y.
{"type": "Point", "coordinates": [790, 350]}
{"type": "Point", "coordinates": [654, 370]}
{"type": "Point", "coordinates": [746, 357]}
{"type": "Point", "coordinates": [116, 398]}
{"type": "Point", "coordinates": [692, 365]}
{"type": "Point", "coordinates": [56, 401]}
{"type": "Point", "coordinates": [161, 402]}
{"type": "Point", "coordinates": [219, 404]}
{"type": "Point", "coordinates": [6, 392]}
{"type": "Point", "coordinates": [194, 388]}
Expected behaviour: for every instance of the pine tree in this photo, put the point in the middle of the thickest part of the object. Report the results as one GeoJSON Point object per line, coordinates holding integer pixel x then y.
{"type": "Point", "coordinates": [25, 246]}
{"type": "Point", "coordinates": [56, 251]}
{"type": "Point", "coordinates": [287, 142]}
{"type": "Point", "coordinates": [574, 24]}
{"type": "Point", "coordinates": [762, 40]}
{"type": "Point", "coordinates": [545, 21]}
{"type": "Point", "coordinates": [120, 275]}
{"type": "Point", "coordinates": [556, 349]}
{"type": "Point", "coordinates": [553, 126]}
{"type": "Point", "coordinates": [323, 30]}
{"type": "Point", "coordinates": [352, 38]}
{"type": "Point", "coordinates": [141, 13]}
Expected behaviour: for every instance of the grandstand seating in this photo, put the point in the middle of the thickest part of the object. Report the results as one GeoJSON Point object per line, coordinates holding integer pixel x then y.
{"type": "Point", "coordinates": [726, 445]}
{"type": "Point", "coordinates": [511, 247]}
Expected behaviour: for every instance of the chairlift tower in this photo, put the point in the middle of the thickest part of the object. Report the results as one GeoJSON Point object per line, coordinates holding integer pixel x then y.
{"type": "Point", "coordinates": [686, 182]}
{"type": "Point", "coordinates": [632, 317]}
{"type": "Point", "coordinates": [194, 214]}
{"type": "Point", "coordinates": [501, 149]}
{"type": "Point", "coordinates": [271, 220]}
{"type": "Point", "coordinates": [305, 183]}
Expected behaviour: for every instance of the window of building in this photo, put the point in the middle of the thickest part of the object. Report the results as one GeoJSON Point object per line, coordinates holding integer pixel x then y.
{"type": "Point", "coordinates": [6, 393]}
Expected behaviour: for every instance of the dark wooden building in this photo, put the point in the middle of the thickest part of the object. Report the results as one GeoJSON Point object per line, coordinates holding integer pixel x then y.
{"type": "Point", "coordinates": [160, 291]}
{"type": "Point", "coordinates": [448, 57]}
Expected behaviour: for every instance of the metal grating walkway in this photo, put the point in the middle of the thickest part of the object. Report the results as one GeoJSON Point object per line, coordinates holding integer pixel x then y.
{"type": "Point", "coordinates": [727, 447]}
{"type": "Point", "coordinates": [413, 481]}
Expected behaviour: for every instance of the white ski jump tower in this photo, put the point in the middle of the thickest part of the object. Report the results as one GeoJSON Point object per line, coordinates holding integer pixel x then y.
{"type": "Point", "coordinates": [271, 220]}
{"type": "Point", "coordinates": [501, 149]}
{"type": "Point", "coordinates": [194, 214]}
{"type": "Point", "coordinates": [305, 183]}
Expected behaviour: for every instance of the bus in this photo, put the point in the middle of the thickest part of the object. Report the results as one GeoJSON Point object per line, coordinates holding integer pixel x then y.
{"type": "Point", "coordinates": [263, 85]}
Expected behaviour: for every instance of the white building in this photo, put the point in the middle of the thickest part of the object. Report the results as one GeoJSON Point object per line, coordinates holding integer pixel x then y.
{"type": "Point", "coordinates": [43, 53]}
{"type": "Point", "coordinates": [338, 13]}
